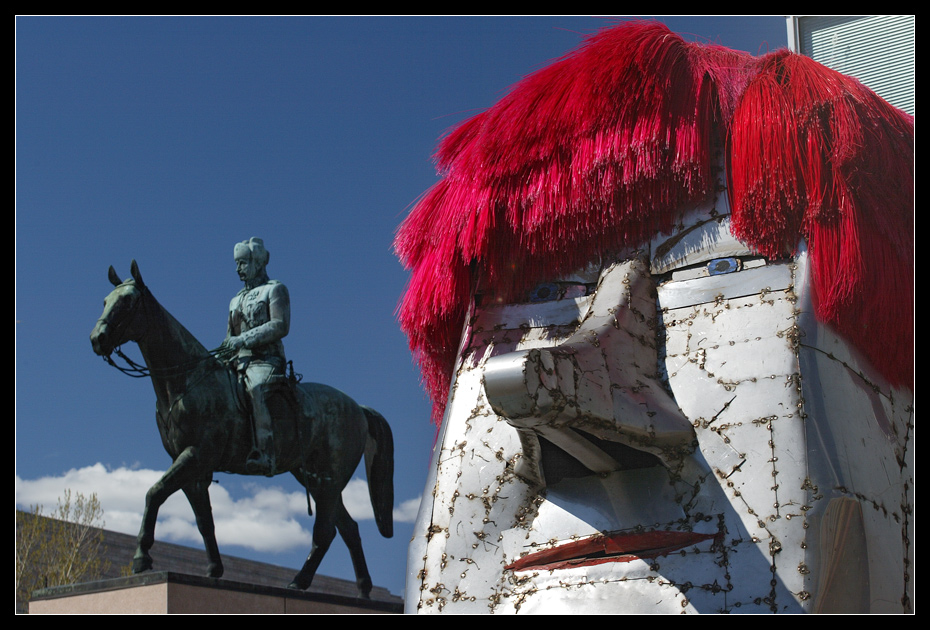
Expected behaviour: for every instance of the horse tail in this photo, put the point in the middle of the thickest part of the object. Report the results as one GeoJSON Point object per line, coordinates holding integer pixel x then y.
{"type": "Point", "coordinates": [379, 467]}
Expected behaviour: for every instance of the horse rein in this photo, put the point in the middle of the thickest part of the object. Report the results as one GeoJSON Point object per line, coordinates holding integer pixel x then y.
{"type": "Point", "coordinates": [136, 370]}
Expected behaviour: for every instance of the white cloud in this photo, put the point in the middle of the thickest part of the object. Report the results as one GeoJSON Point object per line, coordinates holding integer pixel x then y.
{"type": "Point", "coordinates": [406, 512]}
{"type": "Point", "coordinates": [355, 498]}
{"type": "Point", "coordinates": [121, 492]}
{"type": "Point", "coordinates": [266, 518]}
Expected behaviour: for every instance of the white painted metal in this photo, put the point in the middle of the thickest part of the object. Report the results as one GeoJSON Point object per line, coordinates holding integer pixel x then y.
{"type": "Point", "coordinates": [760, 428]}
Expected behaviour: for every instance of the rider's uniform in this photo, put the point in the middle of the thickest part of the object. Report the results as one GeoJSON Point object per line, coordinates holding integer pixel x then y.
{"type": "Point", "coordinates": [260, 316]}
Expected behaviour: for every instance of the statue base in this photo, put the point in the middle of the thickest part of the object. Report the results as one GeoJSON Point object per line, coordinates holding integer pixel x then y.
{"type": "Point", "coordinates": [177, 593]}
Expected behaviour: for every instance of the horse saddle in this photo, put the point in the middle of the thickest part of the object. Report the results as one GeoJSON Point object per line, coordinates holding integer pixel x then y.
{"type": "Point", "coordinates": [281, 393]}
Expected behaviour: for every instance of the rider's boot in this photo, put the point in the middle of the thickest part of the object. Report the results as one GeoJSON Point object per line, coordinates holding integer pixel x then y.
{"type": "Point", "coordinates": [261, 460]}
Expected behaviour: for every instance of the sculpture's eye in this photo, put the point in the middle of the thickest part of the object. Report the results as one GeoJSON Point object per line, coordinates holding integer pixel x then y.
{"type": "Point", "coordinates": [560, 290]}
{"type": "Point", "coordinates": [713, 267]}
{"type": "Point", "coordinates": [545, 292]}
{"type": "Point", "coordinates": [719, 266]}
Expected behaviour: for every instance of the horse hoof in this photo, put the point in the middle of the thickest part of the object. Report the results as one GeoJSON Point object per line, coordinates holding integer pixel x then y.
{"type": "Point", "coordinates": [215, 571]}
{"type": "Point", "coordinates": [140, 565]}
{"type": "Point", "coordinates": [299, 583]}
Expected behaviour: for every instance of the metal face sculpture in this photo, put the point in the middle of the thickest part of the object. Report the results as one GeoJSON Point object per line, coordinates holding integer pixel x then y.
{"type": "Point", "coordinates": [323, 433]}
{"type": "Point", "coordinates": [689, 422]}
{"type": "Point", "coordinates": [682, 435]}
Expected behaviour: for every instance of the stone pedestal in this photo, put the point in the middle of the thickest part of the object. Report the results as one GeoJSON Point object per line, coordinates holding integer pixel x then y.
{"type": "Point", "coordinates": [177, 593]}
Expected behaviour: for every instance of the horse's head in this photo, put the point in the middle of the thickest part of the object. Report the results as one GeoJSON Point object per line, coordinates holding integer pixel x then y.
{"type": "Point", "coordinates": [119, 321]}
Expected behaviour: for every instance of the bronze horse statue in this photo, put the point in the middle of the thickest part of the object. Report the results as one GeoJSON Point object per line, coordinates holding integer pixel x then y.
{"type": "Point", "coordinates": [322, 434]}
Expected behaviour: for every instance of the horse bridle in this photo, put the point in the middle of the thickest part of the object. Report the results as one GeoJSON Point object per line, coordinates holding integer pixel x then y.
{"type": "Point", "coordinates": [136, 370]}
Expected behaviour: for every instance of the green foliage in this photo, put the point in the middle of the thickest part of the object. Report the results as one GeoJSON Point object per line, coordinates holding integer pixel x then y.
{"type": "Point", "coordinates": [62, 548]}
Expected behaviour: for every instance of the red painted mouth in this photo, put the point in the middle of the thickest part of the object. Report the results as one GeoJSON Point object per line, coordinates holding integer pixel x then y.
{"type": "Point", "coordinates": [608, 548]}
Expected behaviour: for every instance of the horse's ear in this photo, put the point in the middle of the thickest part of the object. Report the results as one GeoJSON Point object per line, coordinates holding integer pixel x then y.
{"type": "Point", "coordinates": [114, 279]}
{"type": "Point", "coordinates": [134, 270]}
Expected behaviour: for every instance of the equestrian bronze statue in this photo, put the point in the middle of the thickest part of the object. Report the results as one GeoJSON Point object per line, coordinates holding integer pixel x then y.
{"type": "Point", "coordinates": [204, 418]}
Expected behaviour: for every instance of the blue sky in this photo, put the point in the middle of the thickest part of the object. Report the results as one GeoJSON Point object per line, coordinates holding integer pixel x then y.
{"type": "Point", "coordinates": [169, 139]}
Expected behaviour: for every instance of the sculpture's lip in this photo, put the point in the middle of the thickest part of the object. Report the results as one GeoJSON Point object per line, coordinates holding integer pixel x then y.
{"type": "Point", "coordinates": [617, 547]}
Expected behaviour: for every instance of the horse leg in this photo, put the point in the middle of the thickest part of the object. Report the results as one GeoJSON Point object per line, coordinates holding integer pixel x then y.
{"type": "Point", "coordinates": [324, 531]}
{"type": "Point", "coordinates": [348, 529]}
{"type": "Point", "coordinates": [198, 496]}
{"type": "Point", "coordinates": [177, 475]}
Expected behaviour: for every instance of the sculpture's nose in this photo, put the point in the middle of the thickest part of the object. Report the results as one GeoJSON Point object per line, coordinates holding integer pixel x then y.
{"type": "Point", "coordinates": [98, 337]}
{"type": "Point", "coordinates": [600, 382]}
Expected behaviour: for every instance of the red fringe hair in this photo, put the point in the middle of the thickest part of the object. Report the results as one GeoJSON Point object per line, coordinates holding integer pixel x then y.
{"type": "Point", "coordinates": [604, 148]}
